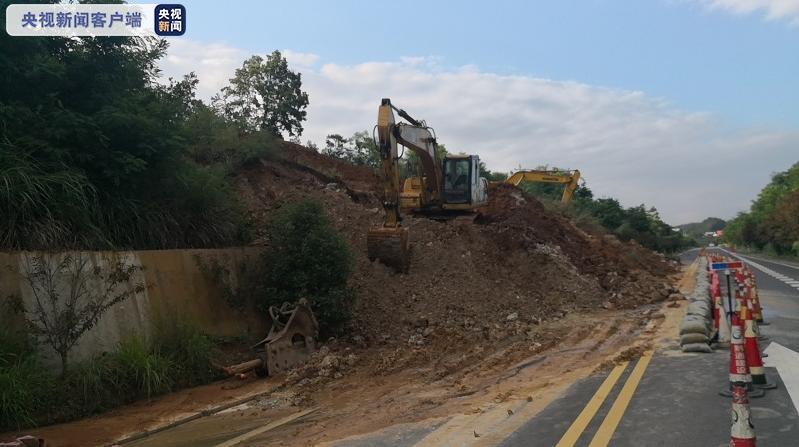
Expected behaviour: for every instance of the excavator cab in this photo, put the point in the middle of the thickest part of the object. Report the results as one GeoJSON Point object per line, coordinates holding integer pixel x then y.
{"type": "Point", "coordinates": [463, 188]}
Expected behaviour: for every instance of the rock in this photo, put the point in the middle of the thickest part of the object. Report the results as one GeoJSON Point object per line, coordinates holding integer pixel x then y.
{"type": "Point", "coordinates": [657, 315]}
{"type": "Point", "coordinates": [416, 339]}
{"type": "Point", "coordinates": [351, 359]}
{"type": "Point", "coordinates": [359, 341]}
{"type": "Point", "coordinates": [421, 322]}
{"type": "Point", "coordinates": [676, 297]}
{"type": "Point", "coordinates": [608, 305]}
{"type": "Point", "coordinates": [329, 362]}
{"type": "Point", "coordinates": [673, 304]}
{"type": "Point", "coordinates": [512, 316]}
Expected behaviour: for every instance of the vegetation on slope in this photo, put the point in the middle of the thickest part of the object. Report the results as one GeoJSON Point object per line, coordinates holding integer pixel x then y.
{"type": "Point", "coordinates": [772, 222]}
{"type": "Point", "coordinates": [638, 223]}
{"type": "Point", "coordinates": [96, 153]}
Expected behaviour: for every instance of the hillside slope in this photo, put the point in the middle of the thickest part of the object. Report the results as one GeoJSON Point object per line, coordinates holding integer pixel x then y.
{"type": "Point", "coordinates": [517, 265]}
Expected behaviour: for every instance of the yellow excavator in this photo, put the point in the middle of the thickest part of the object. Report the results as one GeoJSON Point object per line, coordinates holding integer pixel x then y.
{"type": "Point", "coordinates": [446, 189]}
{"type": "Point", "coordinates": [569, 178]}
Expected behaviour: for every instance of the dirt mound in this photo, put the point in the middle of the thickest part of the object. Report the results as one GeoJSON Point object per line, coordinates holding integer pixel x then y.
{"type": "Point", "coordinates": [470, 285]}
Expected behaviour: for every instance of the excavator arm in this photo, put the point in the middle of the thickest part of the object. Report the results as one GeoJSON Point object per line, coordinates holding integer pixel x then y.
{"type": "Point", "coordinates": [570, 179]}
{"type": "Point", "coordinates": [389, 242]}
{"type": "Point", "coordinates": [420, 139]}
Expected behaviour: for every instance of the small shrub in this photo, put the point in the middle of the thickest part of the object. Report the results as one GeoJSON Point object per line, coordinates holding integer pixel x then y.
{"type": "Point", "coordinates": [24, 390]}
{"type": "Point", "coordinates": [91, 387]}
{"type": "Point", "coordinates": [143, 370]}
{"type": "Point", "coordinates": [15, 340]}
{"type": "Point", "coordinates": [188, 350]}
{"type": "Point", "coordinates": [308, 258]}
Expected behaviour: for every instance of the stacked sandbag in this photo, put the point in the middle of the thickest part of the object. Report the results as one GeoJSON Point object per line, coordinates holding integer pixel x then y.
{"type": "Point", "coordinates": [696, 329]}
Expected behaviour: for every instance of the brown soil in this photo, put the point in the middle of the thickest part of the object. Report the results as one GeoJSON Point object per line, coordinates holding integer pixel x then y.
{"type": "Point", "coordinates": [517, 265]}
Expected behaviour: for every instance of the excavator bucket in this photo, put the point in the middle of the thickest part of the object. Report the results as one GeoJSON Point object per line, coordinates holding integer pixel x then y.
{"type": "Point", "coordinates": [292, 338]}
{"type": "Point", "coordinates": [389, 245]}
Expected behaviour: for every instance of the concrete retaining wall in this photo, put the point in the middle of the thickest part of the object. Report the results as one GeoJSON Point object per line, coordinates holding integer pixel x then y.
{"type": "Point", "coordinates": [177, 285]}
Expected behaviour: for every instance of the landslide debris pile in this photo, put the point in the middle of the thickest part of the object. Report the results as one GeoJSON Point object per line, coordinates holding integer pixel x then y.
{"type": "Point", "coordinates": [516, 266]}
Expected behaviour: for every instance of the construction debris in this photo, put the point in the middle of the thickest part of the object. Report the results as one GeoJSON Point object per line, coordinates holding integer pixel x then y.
{"type": "Point", "coordinates": [290, 342]}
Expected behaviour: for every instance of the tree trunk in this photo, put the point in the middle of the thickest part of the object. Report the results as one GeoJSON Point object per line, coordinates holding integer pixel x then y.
{"type": "Point", "coordinates": [63, 356]}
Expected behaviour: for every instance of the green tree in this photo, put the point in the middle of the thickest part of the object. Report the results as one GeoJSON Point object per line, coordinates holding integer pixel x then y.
{"type": "Point", "coordinates": [411, 166]}
{"type": "Point", "coordinates": [264, 94]}
{"type": "Point", "coordinates": [359, 149]}
{"type": "Point", "coordinates": [492, 176]}
{"type": "Point", "coordinates": [771, 221]}
{"type": "Point", "coordinates": [307, 258]}
{"type": "Point", "coordinates": [336, 147]}
{"type": "Point", "coordinates": [62, 315]}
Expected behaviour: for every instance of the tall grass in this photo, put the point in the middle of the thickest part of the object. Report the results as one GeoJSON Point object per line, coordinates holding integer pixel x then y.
{"type": "Point", "coordinates": [188, 349]}
{"type": "Point", "coordinates": [43, 205]}
{"type": "Point", "coordinates": [178, 355]}
{"type": "Point", "coordinates": [53, 206]}
{"type": "Point", "coordinates": [143, 371]}
{"type": "Point", "coordinates": [24, 390]}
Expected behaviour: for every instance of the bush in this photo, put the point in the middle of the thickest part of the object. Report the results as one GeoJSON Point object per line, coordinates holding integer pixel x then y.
{"type": "Point", "coordinates": [143, 370]}
{"type": "Point", "coordinates": [188, 350]}
{"type": "Point", "coordinates": [25, 387]}
{"type": "Point", "coordinates": [308, 258]}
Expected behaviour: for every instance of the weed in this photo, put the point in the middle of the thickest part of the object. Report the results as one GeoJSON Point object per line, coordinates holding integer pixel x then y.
{"type": "Point", "coordinates": [142, 370]}
{"type": "Point", "coordinates": [188, 349]}
{"type": "Point", "coordinates": [24, 387]}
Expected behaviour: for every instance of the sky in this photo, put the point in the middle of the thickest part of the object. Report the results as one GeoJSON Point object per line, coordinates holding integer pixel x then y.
{"type": "Point", "coordinates": [685, 105]}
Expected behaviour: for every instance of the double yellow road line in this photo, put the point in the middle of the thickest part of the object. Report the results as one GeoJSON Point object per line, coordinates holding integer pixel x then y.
{"type": "Point", "coordinates": [612, 419]}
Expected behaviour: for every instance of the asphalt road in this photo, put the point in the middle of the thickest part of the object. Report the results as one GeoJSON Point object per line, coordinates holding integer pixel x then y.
{"type": "Point", "coordinates": [676, 401]}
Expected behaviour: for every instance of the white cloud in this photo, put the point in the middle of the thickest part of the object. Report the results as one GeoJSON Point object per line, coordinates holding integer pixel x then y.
{"type": "Point", "coordinates": [300, 60]}
{"type": "Point", "coordinates": [215, 63]}
{"type": "Point", "coordinates": [773, 9]}
{"type": "Point", "coordinates": [627, 144]}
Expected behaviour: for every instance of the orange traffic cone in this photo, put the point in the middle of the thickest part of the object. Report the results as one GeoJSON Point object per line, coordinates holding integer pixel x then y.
{"type": "Point", "coordinates": [739, 370]}
{"type": "Point", "coordinates": [742, 432]}
{"type": "Point", "coordinates": [752, 350]}
{"type": "Point", "coordinates": [757, 311]}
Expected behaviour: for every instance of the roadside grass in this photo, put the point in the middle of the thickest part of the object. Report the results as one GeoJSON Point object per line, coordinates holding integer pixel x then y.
{"type": "Point", "coordinates": [178, 355]}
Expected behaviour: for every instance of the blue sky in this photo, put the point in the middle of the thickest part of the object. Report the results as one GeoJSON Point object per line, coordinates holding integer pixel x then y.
{"type": "Point", "coordinates": [741, 66]}
{"type": "Point", "coordinates": [631, 92]}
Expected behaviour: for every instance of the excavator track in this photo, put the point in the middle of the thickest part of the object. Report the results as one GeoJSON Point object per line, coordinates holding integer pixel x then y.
{"type": "Point", "coordinates": [389, 246]}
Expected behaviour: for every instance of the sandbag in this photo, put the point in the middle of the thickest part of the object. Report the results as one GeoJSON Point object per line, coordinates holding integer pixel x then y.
{"type": "Point", "coordinates": [694, 326]}
{"type": "Point", "coordinates": [696, 347]}
{"type": "Point", "coordinates": [699, 308]}
{"type": "Point", "coordinates": [687, 339]}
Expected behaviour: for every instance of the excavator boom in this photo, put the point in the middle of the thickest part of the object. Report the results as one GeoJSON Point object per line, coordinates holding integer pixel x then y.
{"type": "Point", "coordinates": [570, 179]}
{"type": "Point", "coordinates": [389, 242]}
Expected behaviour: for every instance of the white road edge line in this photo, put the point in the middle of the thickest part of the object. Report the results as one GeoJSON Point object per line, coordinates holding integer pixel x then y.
{"type": "Point", "coordinates": [785, 279]}
{"type": "Point", "coordinates": [787, 363]}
